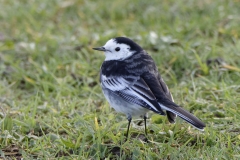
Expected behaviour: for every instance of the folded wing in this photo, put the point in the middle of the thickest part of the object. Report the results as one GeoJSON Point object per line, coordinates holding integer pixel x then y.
{"type": "Point", "coordinates": [134, 90]}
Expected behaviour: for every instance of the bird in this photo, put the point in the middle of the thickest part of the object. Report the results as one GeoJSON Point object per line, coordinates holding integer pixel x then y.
{"type": "Point", "coordinates": [132, 85]}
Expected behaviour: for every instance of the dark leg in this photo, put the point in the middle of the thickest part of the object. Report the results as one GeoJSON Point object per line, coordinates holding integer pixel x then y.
{"type": "Point", "coordinates": [145, 123]}
{"type": "Point", "coordinates": [129, 122]}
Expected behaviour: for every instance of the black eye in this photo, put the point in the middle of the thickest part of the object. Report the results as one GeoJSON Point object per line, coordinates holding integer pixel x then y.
{"type": "Point", "coordinates": [117, 49]}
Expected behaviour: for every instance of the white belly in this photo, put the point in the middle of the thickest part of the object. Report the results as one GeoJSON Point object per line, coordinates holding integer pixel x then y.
{"type": "Point", "coordinates": [120, 105]}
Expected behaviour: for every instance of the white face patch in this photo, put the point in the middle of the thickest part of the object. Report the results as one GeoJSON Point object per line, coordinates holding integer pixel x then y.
{"type": "Point", "coordinates": [116, 51]}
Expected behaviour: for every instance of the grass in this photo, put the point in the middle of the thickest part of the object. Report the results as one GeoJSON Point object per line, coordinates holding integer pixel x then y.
{"type": "Point", "coordinates": [51, 104]}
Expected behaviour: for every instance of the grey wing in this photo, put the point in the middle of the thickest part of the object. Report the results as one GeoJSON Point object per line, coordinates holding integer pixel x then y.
{"type": "Point", "coordinates": [133, 90]}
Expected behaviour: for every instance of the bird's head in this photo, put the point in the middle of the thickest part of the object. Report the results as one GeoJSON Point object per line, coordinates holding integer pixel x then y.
{"type": "Point", "coordinates": [119, 48]}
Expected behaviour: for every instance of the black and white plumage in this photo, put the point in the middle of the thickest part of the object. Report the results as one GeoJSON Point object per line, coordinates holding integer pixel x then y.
{"type": "Point", "coordinates": [132, 85]}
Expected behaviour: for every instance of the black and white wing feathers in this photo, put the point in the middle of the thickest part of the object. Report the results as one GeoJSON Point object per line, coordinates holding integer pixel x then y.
{"type": "Point", "coordinates": [134, 90]}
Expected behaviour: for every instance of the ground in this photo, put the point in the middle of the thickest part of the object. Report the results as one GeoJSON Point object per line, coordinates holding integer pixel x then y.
{"type": "Point", "coordinates": [51, 104]}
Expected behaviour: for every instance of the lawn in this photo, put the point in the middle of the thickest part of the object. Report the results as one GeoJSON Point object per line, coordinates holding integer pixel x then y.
{"type": "Point", "coordinates": [51, 103]}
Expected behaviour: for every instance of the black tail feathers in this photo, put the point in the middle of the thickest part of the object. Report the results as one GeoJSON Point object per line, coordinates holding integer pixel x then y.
{"type": "Point", "coordinates": [185, 115]}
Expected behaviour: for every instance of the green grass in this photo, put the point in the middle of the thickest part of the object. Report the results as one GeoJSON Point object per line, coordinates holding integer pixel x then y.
{"type": "Point", "coordinates": [51, 104]}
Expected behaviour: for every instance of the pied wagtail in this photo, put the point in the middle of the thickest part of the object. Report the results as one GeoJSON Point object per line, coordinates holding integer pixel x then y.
{"type": "Point", "coordinates": [132, 85]}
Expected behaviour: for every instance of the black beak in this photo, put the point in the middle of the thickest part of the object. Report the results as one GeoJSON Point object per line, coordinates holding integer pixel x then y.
{"type": "Point", "coordinates": [100, 49]}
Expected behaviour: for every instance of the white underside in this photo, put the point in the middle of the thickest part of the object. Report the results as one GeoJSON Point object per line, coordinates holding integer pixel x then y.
{"type": "Point", "coordinates": [120, 105]}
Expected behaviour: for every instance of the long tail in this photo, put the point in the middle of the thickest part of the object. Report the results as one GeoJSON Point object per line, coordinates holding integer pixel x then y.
{"type": "Point", "coordinates": [185, 115]}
